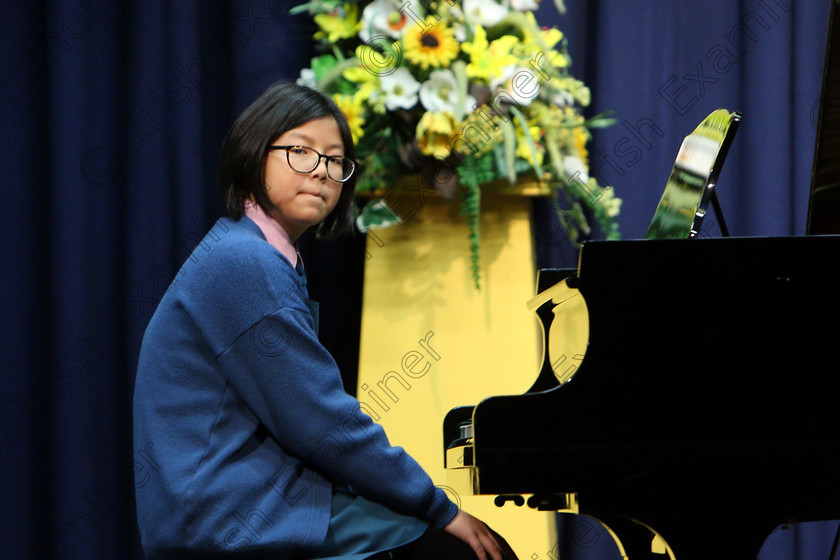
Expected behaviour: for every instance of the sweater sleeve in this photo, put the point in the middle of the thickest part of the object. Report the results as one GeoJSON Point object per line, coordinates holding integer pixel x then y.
{"type": "Point", "coordinates": [293, 385]}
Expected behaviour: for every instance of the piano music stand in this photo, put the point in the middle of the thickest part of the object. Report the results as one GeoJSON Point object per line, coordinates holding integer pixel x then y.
{"type": "Point", "coordinates": [724, 231]}
{"type": "Point", "coordinates": [691, 185]}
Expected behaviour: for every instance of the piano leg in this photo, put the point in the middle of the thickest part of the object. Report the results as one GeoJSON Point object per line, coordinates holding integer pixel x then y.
{"type": "Point", "coordinates": [635, 540]}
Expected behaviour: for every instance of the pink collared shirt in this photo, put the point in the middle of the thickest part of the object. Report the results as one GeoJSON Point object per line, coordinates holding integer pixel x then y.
{"type": "Point", "coordinates": [274, 233]}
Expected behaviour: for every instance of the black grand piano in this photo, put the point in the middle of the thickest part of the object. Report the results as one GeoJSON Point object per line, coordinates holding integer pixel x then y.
{"type": "Point", "coordinates": [703, 410]}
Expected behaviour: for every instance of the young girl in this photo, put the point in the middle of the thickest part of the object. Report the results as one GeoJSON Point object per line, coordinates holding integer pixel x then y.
{"type": "Point", "coordinates": [255, 449]}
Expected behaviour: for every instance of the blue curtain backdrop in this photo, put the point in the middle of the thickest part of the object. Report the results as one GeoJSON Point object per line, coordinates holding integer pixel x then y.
{"type": "Point", "coordinates": [111, 117]}
{"type": "Point", "coordinates": [661, 67]}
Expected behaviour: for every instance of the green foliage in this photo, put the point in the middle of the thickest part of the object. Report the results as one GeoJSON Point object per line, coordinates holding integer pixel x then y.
{"type": "Point", "coordinates": [472, 173]}
{"type": "Point", "coordinates": [376, 214]}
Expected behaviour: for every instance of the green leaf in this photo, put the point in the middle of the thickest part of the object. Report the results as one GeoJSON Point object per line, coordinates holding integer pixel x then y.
{"type": "Point", "coordinates": [307, 7]}
{"type": "Point", "coordinates": [459, 68]}
{"type": "Point", "coordinates": [471, 174]}
{"type": "Point", "coordinates": [523, 124]}
{"type": "Point", "coordinates": [601, 120]}
{"type": "Point", "coordinates": [333, 74]}
{"type": "Point", "coordinates": [376, 214]}
{"type": "Point", "coordinates": [509, 138]}
{"type": "Point", "coordinates": [323, 64]}
{"type": "Point", "coordinates": [499, 160]}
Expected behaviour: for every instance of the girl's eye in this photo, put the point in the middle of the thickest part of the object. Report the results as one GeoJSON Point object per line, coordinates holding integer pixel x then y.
{"type": "Point", "coordinates": [299, 151]}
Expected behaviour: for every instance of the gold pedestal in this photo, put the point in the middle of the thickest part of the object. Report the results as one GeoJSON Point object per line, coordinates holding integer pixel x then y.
{"type": "Point", "coordinates": [431, 341]}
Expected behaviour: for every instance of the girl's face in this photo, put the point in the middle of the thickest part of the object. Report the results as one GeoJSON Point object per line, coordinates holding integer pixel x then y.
{"type": "Point", "coordinates": [303, 200]}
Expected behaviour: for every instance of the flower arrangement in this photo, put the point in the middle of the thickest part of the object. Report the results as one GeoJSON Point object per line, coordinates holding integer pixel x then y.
{"type": "Point", "coordinates": [464, 93]}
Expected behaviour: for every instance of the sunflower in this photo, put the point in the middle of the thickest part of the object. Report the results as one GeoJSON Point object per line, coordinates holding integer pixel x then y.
{"type": "Point", "coordinates": [430, 44]}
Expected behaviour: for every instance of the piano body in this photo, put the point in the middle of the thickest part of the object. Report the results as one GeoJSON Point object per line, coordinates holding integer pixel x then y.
{"type": "Point", "coordinates": [689, 396]}
{"type": "Point", "coordinates": [705, 407]}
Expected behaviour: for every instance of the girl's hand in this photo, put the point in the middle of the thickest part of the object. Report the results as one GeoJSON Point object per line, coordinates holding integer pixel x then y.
{"type": "Point", "coordinates": [486, 544]}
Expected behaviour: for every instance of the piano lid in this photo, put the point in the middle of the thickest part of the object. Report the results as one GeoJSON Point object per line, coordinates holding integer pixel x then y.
{"type": "Point", "coordinates": [824, 202]}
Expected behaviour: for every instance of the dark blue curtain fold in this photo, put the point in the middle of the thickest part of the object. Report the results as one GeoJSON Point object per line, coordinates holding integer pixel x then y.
{"type": "Point", "coordinates": [112, 115]}
{"type": "Point", "coordinates": [111, 119]}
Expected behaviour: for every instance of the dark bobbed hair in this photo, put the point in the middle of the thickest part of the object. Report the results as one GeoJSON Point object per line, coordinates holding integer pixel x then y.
{"type": "Point", "coordinates": [280, 108]}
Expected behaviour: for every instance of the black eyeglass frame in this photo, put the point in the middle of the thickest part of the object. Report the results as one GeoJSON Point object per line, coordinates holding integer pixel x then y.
{"type": "Point", "coordinates": [353, 162]}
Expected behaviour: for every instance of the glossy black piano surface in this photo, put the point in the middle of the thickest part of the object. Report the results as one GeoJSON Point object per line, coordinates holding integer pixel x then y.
{"type": "Point", "coordinates": [707, 403]}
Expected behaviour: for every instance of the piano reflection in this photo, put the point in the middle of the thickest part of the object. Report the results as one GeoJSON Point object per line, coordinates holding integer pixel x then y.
{"type": "Point", "coordinates": [689, 395]}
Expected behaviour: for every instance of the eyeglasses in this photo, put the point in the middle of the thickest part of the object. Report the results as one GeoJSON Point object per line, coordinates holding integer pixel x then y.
{"type": "Point", "coordinates": [304, 160]}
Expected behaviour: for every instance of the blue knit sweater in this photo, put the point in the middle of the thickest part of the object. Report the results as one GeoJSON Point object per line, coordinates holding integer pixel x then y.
{"type": "Point", "coordinates": [241, 423]}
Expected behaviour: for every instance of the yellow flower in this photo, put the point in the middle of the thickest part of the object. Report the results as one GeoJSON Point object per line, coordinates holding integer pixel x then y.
{"type": "Point", "coordinates": [369, 89]}
{"type": "Point", "coordinates": [477, 134]}
{"type": "Point", "coordinates": [353, 110]}
{"type": "Point", "coordinates": [549, 37]}
{"type": "Point", "coordinates": [430, 44]}
{"type": "Point", "coordinates": [340, 24]}
{"type": "Point", "coordinates": [367, 82]}
{"type": "Point", "coordinates": [542, 42]}
{"type": "Point", "coordinates": [580, 136]}
{"type": "Point", "coordinates": [523, 149]}
{"type": "Point", "coordinates": [580, 93]}
{"type": "Point", "coordinates": [434, 133]}
{"type": "Point", "coordinates": [488, 60]}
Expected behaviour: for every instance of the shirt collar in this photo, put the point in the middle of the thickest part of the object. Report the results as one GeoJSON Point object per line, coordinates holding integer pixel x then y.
{"type": "Point", "coordinates": [274, 233]}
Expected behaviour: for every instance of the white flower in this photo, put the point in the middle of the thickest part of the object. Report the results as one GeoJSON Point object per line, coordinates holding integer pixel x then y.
{"type": "Point", "coordinates": [523, 90]}
{"type": "Point", "coordinates": [400, 89]}
{"type": "Point", "coordinates": [575, 169]}
{"type": "Point", "coordinates": [460, 32]}
{"type": "Point", "coordinates": [382, 17]}
{"type": "Point", "coordinates": [307, 78]}
{"type": "Point", "coordinates": [524, 5]}
{"type": "Point", "coordinates": [440, 93]}
{"type": "Point", "coordinates": [562, 98]}
{"type": "Point", "coordinates": [484, 12]}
